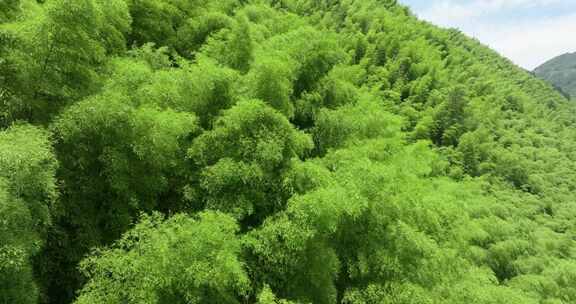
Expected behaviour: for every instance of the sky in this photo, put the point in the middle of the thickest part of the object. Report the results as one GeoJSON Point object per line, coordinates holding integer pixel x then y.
{"type": "Point", "coordinates": [529, 32]}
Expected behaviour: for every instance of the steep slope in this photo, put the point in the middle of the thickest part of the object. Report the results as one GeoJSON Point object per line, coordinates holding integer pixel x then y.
{"type": "Point", "coordinates": [285, 151]}
{"type": "Point", "coordinates": [561, 72]}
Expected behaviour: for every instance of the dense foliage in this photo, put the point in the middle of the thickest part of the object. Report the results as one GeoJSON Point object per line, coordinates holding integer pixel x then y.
{"type": "Point", "coordinates": [560, 72]}
{"type": "Point", "coordinates": [275, 151]}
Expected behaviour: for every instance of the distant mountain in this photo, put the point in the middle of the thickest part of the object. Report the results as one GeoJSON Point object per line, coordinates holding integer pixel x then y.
{"type": "Point", "coordinates": [560, 72]}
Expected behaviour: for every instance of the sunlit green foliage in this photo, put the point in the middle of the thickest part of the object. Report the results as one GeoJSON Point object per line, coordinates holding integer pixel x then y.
{"type": "Point", "coordinates": [9, 9]}
{"type": "Point", "coordinates": [275, 152]}
{"type": "Point", "coordinates": [243, 159]}
{"type": "Point", "coordinates": [27, 194]}
{"type": "Point", "coordinates": [179, 260]}
{"type": "Point", "coordinates": [57, 53]}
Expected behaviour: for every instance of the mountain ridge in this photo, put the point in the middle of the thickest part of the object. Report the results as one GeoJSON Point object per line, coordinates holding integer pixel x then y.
{"type": "Point", "coordinates": [560, 71]}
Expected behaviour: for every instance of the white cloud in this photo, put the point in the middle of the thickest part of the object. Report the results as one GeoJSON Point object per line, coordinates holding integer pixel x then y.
{"type": "Point", "coordinates": [452, 10]}
{"type": "Point", "coordinates": [527, 41]}
{"type": "Point", "coordinates": [531, 43]}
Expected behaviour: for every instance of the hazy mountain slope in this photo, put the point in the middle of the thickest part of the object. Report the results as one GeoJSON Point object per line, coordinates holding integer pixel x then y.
{"type": "Point", "coordinates": [265, 151]}
{"type": "Point", "coordinates": [561, 72]}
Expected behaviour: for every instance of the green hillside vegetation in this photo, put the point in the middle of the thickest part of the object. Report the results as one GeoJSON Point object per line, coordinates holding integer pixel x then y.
{"type": "Point", "coordinates": [561, 72]}
{"type": "Point", "coordinates": [275, 151]}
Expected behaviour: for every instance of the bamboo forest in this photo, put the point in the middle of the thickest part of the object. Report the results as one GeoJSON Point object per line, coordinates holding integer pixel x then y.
{"type": "Point", "coordinates": [275, 152]}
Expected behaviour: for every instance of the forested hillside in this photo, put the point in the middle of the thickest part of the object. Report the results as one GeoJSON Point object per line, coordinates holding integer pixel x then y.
{"type": "Point", "coordinates": [275, 151]}
{"type": "Point", "coordinates": [561, 72]}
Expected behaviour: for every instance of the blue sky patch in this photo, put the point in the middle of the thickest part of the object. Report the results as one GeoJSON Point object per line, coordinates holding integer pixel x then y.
{"type": "Point", "coordinates": [527, 31]}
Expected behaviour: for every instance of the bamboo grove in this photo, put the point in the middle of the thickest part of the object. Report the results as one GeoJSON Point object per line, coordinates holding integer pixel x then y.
{"type": "Point", "coordinates": [275, 151]}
